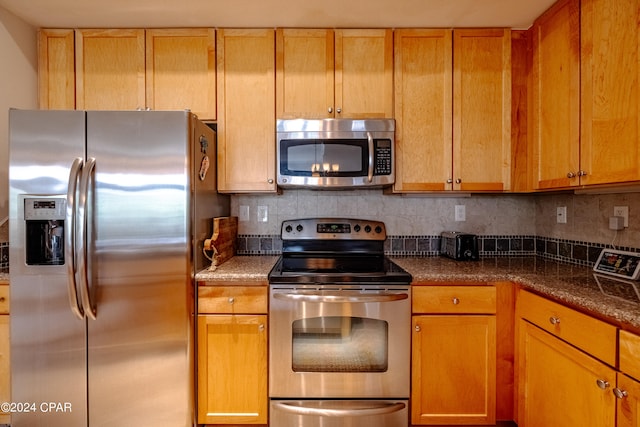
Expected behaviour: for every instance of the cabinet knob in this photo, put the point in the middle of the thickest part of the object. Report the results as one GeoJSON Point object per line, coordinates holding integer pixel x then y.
{"type": "Point", "coordinates": [455, 301]}
{"type": "Point", "coordinates": [619, 393]}
{"type": "Point", "coordinates": [417, 328]}
{"type": "Point", "coordinates": [603, 384]}
{"type": "Point", "coordinates": [338, 110]}
{"type": "Point", "coordinates": [554, 320]}
{"type": "Point", "coordinates": [261, 327]}
{"type": "Point", "coordinates": [231, 300]}
{"type": "Point", "coordinates": [571, 175]}
{"type": "Point", "coordinates": [270, 180]}
{"type": "Point", "coordinates": [458, 181]}
{"type": "Point", "coordinates": [450, 181]}
{"type": "Point", "coordinates": [330, 110]}
{"type": "Point", "coordinates": [582, 173]}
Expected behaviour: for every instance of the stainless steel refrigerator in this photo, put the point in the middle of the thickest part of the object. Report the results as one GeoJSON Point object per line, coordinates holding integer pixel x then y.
{"type": "Point", "coordinates": [108, 211]}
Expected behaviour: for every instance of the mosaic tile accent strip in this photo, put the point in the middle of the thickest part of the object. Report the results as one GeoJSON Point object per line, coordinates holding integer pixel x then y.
{"type": "Point", "coordinates": [4, 256]}
{"type": "Point", "coordinates": [569, 251]}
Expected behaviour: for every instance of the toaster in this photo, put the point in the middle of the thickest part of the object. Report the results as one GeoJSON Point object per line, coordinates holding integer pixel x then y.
{"type": "Point", "coordinates": [459, 246]}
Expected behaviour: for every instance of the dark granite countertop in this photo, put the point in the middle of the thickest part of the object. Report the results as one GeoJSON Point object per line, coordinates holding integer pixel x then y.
{"type": "Point", "coordinates": [574, 285]}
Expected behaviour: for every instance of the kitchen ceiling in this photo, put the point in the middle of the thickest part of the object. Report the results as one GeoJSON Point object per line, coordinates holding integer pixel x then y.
{"type": "Point", "coordinates": [277, 13]}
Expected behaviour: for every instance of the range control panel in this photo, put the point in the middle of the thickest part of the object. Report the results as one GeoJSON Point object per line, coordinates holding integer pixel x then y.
{"type": "Point", "coordinates": [333, 229]}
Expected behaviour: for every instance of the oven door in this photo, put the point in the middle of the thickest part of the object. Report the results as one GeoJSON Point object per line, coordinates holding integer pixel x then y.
{"type": "Point", "coordinates": [345, 342]}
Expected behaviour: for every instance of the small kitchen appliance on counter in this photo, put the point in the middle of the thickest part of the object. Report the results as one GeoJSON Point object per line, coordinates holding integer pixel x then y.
{"type": "Point", "coordinates": [459, 246]}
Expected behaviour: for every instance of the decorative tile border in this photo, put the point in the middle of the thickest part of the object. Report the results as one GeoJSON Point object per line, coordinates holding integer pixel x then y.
{"type": "Point", "coordinates": [569, 251]}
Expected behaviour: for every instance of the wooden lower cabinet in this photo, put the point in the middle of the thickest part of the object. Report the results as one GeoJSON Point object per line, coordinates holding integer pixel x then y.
{"type": "Point", "coordinates": [454, 370]}
{"type": "Point", "coordinates": [5, 371]}
{"type": "Point", "coordinates": [628, 405]}
{"type": "Point", "coordinates": [232, 369]}
{"type": "Point", "coordinates": [559, 385]}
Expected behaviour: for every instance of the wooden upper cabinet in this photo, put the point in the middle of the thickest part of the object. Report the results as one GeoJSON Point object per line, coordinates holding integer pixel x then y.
{"type": "Point", "coordinates": [556, 96]}
{"type": "Point", "coordinates": [56, 75]}
{"type": "Point", "coordinates": [610, 151]}
{"type": "Point", "coordinates": [110, 69]}
{"type": "Point", "coordinates": [304, 73]}
{"type": "Point", "coordinates": [181, 70]}
{"type": "Point", "coordinates": [481, 109]}
{"type": "Point", "coordinates": [423, 104]}
{"type": "Point", "coordinates": [325, 73]}
{"type": "Point", "coordinates": [246, 119]}
{"type": "Point", "coordinates": [364, 73]}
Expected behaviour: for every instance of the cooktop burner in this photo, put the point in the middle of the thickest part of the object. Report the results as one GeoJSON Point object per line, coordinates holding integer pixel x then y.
{"type": "Point", "coordinates": [335, 250]}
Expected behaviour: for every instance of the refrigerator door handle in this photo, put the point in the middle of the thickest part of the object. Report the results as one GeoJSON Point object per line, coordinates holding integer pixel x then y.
{"type": "Point", "coordinates": [83, 225]}
{"type": "Point", "coordinates": [69, 238]}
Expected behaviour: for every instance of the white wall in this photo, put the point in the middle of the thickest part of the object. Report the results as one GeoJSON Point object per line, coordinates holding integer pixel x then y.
{"type": "Point", "coordinates": [18, 85]}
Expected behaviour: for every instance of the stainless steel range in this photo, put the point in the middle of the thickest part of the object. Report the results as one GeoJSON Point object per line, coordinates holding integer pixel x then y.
{"type": "Point", "coordinates": [340, 327]}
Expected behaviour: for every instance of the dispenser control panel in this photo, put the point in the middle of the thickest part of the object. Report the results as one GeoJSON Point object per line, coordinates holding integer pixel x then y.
{"type": "Point", "coordinates": [44, 208]}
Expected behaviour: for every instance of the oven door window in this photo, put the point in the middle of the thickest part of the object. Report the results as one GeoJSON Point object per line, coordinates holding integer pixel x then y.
{"type": "Point", "coordinates": [340, 344]}
{"type": "Point", "coordinates": [334, 158]}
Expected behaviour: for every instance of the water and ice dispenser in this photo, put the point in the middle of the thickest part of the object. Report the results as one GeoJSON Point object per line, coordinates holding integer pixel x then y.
{"type": "Point", "coordinates": [45, 227]}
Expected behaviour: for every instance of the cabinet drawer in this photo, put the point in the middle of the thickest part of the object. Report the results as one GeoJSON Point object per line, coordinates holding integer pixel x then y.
{"type": "Point", "coordinates": [629, 351]}
{"type": "Point", "coordinates": [585, 332]}
{"type": "Point", "coordinates": [232, 299]}
{"type": "Point", "coordinates": [4, 299]}
{"type": "Point", "coordinates": [454, 299]}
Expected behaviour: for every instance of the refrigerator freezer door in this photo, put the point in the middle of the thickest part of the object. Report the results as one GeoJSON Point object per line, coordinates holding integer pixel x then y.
{"type": "Point", "coordinates": [48, 341]}
{"type": "Point", "coordinates": [139, 234]}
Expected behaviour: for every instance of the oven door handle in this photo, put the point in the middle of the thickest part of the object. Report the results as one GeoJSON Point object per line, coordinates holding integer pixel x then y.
{"type": "Point", "coordinates": [375, 408]}
{"type": "Point", "coordinates": [321, 297]}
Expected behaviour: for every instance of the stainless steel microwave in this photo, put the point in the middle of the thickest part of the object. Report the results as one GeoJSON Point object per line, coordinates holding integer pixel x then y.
{"type": "Point", "coordinates": [335, 153]}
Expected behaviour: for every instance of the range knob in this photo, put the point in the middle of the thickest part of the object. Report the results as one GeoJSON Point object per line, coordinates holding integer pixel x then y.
{"type": "Point", "coordinates": [367, 228]}
{"type": "Point", "coordinates": [356, 228]}
{"type": "Point", "coordinates": [299, 228]}
{"type": "Point", "coordinates": [378, 229]}
{"type": "Point", "coordinates": [288, 229]}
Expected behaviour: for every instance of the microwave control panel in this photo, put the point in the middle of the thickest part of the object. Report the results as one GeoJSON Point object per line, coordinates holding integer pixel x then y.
{"type": "Point", "coordinates": [382, 157]}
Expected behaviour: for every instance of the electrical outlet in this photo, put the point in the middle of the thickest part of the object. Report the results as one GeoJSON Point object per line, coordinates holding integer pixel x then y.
{"type": "Point", "coordinates": [622, 211]}
{"type": "Point", "coordinates": [243, 214]}
{"type": "Point", "coordinates": [460, 213]}
{"type": "Point", "coordinates": [561, 214]}
{"type": "Point", "coordinates": [262, 214]}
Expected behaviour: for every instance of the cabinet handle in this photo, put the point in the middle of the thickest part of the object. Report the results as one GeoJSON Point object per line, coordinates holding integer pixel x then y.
{"type": "Point", "coordinates": [330, 110]}
{"type": "Point", "coordinates": [582, 173]}
{"type": "Point", "coordinates": [603, 384]}
{"type": "Point", "coordinates": [458, 181]}
{"type": "Point", "coordinates": [417, 328]}
{"type": "Point", "coordinates": [261, 327]}
{"type": "Point", "coordinates": [231, 300]}
{"type": "Point", "coordinates": [455, 301]}
{"type": "Point", "coordinates": [619, 393]}
{"type": "Point", "coordinates": [554, 320]}
{"type": "Point", "coordinates": [338, 110]}
{"type": "Point", "coordinates": [270, 181]}
{"type": "Point", "coordinates": [450, 181]}
{"type": "Point", "coordinates": [571, 175]}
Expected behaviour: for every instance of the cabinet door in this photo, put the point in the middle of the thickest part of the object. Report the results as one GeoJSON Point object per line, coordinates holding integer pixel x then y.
{"type": "Point", "coordinates": [558, 384]}
{"type": "Point", "coordinates": [232, 369]}
{"type": "Point", "coordinates": [423, 99]}
{"type": "Point", "coordinates": [56, 75]}
{"type": "Point", "coordinates": [481, 109]}
{"type": "Point", "coordinates": [556, 96]}
{"type": "Point", "coordinates": [453, 370]}
{"type": "Point", "coordinates": [629, 402]}
{"type": "Point", "coordinates": [110, 69]}
{"type": "Point", "coordinates": [364, 73]}
{"type": "Point", "coordinates": [181, 71]}
{"type": "Point", "coordinates": [246, 110]}
{"type": "Point", "coordinates": [304, 73]}
{"type": "Point", "coordinates": [610, 151]}
{"type": "Point", "coordinates": [5, 376]}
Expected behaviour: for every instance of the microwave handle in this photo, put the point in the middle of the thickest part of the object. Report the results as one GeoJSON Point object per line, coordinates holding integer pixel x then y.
{"type": "Point", "coordinates": [371, 157]}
